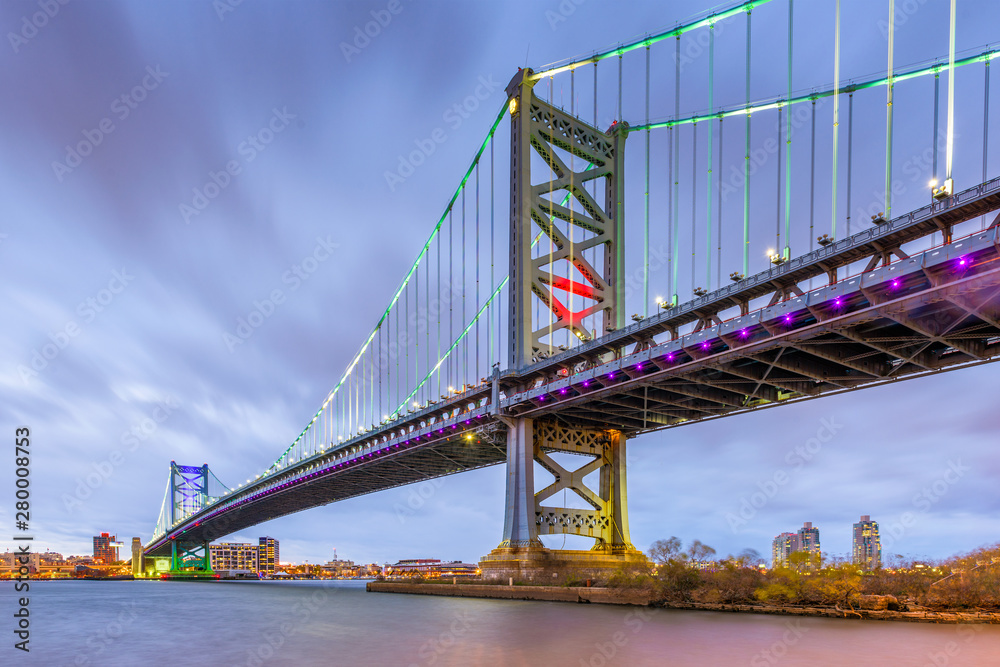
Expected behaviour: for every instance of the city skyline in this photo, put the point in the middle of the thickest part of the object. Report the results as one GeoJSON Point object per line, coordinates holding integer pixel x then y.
{"type": "Point", "coordinates": [158, 293]}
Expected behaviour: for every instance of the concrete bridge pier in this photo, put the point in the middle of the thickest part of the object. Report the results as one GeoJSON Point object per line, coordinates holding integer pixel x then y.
{"type": "Point", "coordinates": [521, 555]}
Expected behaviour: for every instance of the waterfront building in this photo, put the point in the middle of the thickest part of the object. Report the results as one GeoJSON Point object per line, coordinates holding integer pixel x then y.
{"type": "Point", "coordinates": [267, 555]}
{"type": "Point", "coordinates": [234, 556]}
{"type": "Point", "coordinates": [431, 568]}
{"type": "Point", "coordinates": [867, 545]}
{"type": "Point", "coordinates": [105, 549]}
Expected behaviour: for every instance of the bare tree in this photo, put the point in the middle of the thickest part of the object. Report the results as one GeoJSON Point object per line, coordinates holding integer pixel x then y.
{"type": "Point", "coordinates": [664, 551]}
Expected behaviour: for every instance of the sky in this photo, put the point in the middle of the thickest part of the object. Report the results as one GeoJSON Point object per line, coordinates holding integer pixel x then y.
{"type": "Point", "coordinates": [121, 278]}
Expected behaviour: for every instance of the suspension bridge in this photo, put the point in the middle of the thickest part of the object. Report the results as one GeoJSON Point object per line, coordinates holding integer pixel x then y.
{"type": "Point", "coordinates": [509, 340]}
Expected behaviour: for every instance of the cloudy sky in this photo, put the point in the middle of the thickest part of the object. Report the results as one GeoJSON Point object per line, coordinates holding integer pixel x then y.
{"type": "Point", "coordinates": [118, 285]}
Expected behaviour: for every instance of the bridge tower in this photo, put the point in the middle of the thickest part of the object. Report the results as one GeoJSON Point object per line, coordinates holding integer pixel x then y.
{"type": "Point", "coordinates": [561, 264]}
{"type": "Point", "coordinates": [188, 494]}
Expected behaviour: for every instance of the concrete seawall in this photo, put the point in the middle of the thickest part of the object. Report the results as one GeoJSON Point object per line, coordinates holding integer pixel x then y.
{"type": "Point", "coordinates": [540, 593]}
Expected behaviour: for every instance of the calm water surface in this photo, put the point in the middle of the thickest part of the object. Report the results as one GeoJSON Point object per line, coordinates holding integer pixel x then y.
{"type": "Point", "coordinates": [338, 623]}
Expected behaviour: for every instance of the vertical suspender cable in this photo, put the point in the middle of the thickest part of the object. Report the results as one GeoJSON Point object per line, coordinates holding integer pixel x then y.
{"type": "Point", "coordinates": [416, 329]}
{"type": "Point", "coordinates": [426, 318]}
{"type": "Point", "coordinates": [593, 181]}
{"type": "Point", "coordinates": [718, 236]}
{"type": "Point", "coordinates": [645, 238]}
{"type": "Point", "coordinates": [620, 114]}
{"type": "Point", "coordinates": [373, 369]}
{"type": "Point", "coordinates": [490, 335]}
{"type": "Point", "coordinates": [836, 121]}
{"type": "Point", "coordinates": [570, 267]}
{"type": "Point", "coordinates": [395, 401]}
{"type": "Point", "coordinates": [465, 341]}
{"type": "Point", "coordinates": [437, 298]}
{"type": "Point", "coordinates": [777, 183]}
{"type": "Point", "coordinates": [675, 254]}
{"type": "Point", "coordinates": [670, 213]}
{"type": "Point", "coordinates": [986, 125]}
{"type": "Point", "coordinates": [708, 185]}
{"type": "Point", "coordinates": [788, 146]}
{"type": "Point", "coordinates": [934, 137]}
{"type": "Point", "coordinates": [406, 337]}
{"type": "Point", "coordinates": [452, 370]}
{"type": "Point", "coordinates": [850, 153]}
{"type": "Point", "coordinates": [746, 166]}
{"type": "Point", "coordinates": [812, 179]}
{"type": "Point", "coordinates": [888, 113]}
{"type": "Point", "coordinates": [380, 369]}
{"type": "Point", "coordinates": [694, 197]}
{"type": "Point", "coordinates": [477, 367]}
{"type": "Point", "coordinates": [552, 244]}
{"type": "Point", "coordinates": [949, 155]}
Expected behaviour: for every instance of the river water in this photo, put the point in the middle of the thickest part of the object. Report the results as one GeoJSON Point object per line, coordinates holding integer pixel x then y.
{"type": "Point", "coordinates": [337, 623]}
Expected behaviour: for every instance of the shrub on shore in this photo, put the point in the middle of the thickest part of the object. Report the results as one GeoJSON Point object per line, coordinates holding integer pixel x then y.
{"type": "Point", "coordinates": [964, 582]}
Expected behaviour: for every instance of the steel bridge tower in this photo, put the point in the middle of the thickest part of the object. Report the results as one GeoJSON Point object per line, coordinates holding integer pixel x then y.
{"type": "Point", "coordinates": [188, 494]}
{"type": "Point", "coordinates": [537, 129]}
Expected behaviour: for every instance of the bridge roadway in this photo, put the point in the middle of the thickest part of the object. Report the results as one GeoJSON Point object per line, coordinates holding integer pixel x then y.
{"type": "Point", "coordinates": [937, 310]}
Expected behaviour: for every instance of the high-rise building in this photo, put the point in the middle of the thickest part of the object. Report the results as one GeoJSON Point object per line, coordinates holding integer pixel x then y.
{"type": "Point", "coordinates": [137, 557]}
{"type": "Point", "coordinates": [867, 547]}
{"type": "Point", "coordinates": [267, 555]}
{"type": "Point", "coordinates": [785, 544]}
{"type": "Point", "coordinates": [782, 547]}
{"type": "Point", "coordinates": [105, 550]}
{"type": "Point", "coordinates": [234, 556]}
{"type": "Point", "coordinates": [808, 539]}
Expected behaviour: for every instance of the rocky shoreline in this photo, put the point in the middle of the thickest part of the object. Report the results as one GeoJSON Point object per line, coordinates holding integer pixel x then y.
{"type": "Point", "coordinates": [916, 616]}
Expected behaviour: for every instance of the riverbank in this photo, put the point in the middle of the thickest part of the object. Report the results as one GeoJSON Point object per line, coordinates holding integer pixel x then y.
{"type": "Point", "coordinates": [616, 596]}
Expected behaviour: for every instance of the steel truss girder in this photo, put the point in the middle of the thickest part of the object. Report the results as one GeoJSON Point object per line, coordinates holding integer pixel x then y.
{"type": "Point", "coordinates": [932, 325]}
{"type": "Point", "coordinates": [538, 127]}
